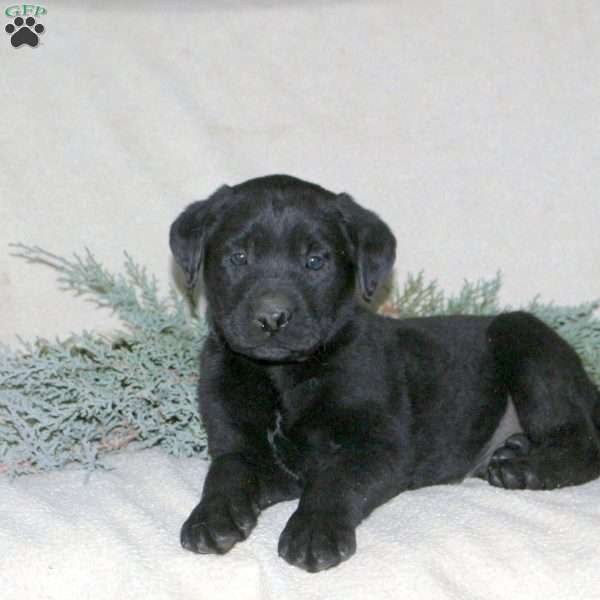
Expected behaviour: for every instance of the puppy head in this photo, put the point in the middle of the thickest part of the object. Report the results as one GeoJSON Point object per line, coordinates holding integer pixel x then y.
{"type": "Point", "coordinates": [281, 259]}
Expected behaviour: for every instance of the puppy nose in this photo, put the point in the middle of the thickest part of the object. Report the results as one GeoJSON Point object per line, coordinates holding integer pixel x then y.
{"type": "Point", "coordinates": [273, 314]}
{"type": "Point", "coordinates": [273, 321]}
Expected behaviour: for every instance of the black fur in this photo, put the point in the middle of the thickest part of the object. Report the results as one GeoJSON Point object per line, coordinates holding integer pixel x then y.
{"type": "Point", "coordinates": [307, 394]}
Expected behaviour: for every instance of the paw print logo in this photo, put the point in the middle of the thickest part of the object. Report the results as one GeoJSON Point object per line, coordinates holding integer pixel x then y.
{"type": "Point", "coordinates": [24, 32]}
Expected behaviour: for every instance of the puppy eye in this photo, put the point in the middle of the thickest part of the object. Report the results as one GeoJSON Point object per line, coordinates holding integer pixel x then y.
{"type": "Point", "coordinates": [239, 259]}
{"type": "Point", "coordinates": [314, 263]}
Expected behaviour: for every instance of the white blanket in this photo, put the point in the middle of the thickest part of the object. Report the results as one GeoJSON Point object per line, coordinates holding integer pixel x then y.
{"type": "Point", "coordinates": [116, 537]}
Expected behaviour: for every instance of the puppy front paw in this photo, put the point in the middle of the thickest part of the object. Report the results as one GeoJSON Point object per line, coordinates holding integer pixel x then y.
{"type": "Point", "coordinates": [316, 541]}
{"type": "Point", "coordinates": [217, 523]}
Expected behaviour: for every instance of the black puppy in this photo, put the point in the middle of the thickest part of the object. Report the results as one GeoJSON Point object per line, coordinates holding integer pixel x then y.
{"type": "Point", "coordinates": [305, 393]}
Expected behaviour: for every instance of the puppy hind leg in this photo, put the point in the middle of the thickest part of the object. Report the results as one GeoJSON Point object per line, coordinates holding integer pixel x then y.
{"type": "Point", "coordinates": [555, 402]}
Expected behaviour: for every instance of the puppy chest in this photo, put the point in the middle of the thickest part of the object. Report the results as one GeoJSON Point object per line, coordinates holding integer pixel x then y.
{"type": "Point", "coordinates": [286, 453]}
{"type": "Point", "coordinates": [298, 448]}
{"type": "Point", "coordinates": [295, 435]}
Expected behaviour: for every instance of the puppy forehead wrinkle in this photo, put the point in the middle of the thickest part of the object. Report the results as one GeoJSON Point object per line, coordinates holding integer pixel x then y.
{"type": "Point", "coordinates": [280, 225]}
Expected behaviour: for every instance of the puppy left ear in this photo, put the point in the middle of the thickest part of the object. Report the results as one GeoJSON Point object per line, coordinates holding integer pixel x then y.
{"type": "Point", "coordinates": [189, 233]}
{"type": "Point", "coordinates": [373, 242]}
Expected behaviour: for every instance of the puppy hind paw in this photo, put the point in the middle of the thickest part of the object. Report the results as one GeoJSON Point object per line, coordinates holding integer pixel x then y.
{"type": "Point", "coordinates": [514, 474]}
{"type": "Point", "coordinates": [511, 466]}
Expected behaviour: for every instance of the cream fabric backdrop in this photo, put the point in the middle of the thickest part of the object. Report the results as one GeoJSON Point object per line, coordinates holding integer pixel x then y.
{"type": "Point", "coordinates": [471, 127]}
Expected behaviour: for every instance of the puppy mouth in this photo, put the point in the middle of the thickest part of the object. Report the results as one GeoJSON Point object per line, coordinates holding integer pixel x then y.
{"type": "Point", "coordinates": [295, 342]}
{"type": "Point", "coordinates": [269, 352]}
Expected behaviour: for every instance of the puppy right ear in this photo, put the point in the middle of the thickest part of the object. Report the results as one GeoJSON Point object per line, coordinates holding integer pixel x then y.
{"type": "Point", "coordinates": [374, 244]}
{"type": "Point", "coordinates": [189, 232]}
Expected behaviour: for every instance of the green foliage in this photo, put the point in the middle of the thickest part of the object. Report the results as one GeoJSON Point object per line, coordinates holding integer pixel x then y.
{"type": "Point", "coordinates": [73, 401]}
{"type": "Point", "coordinates": [419, 298]}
